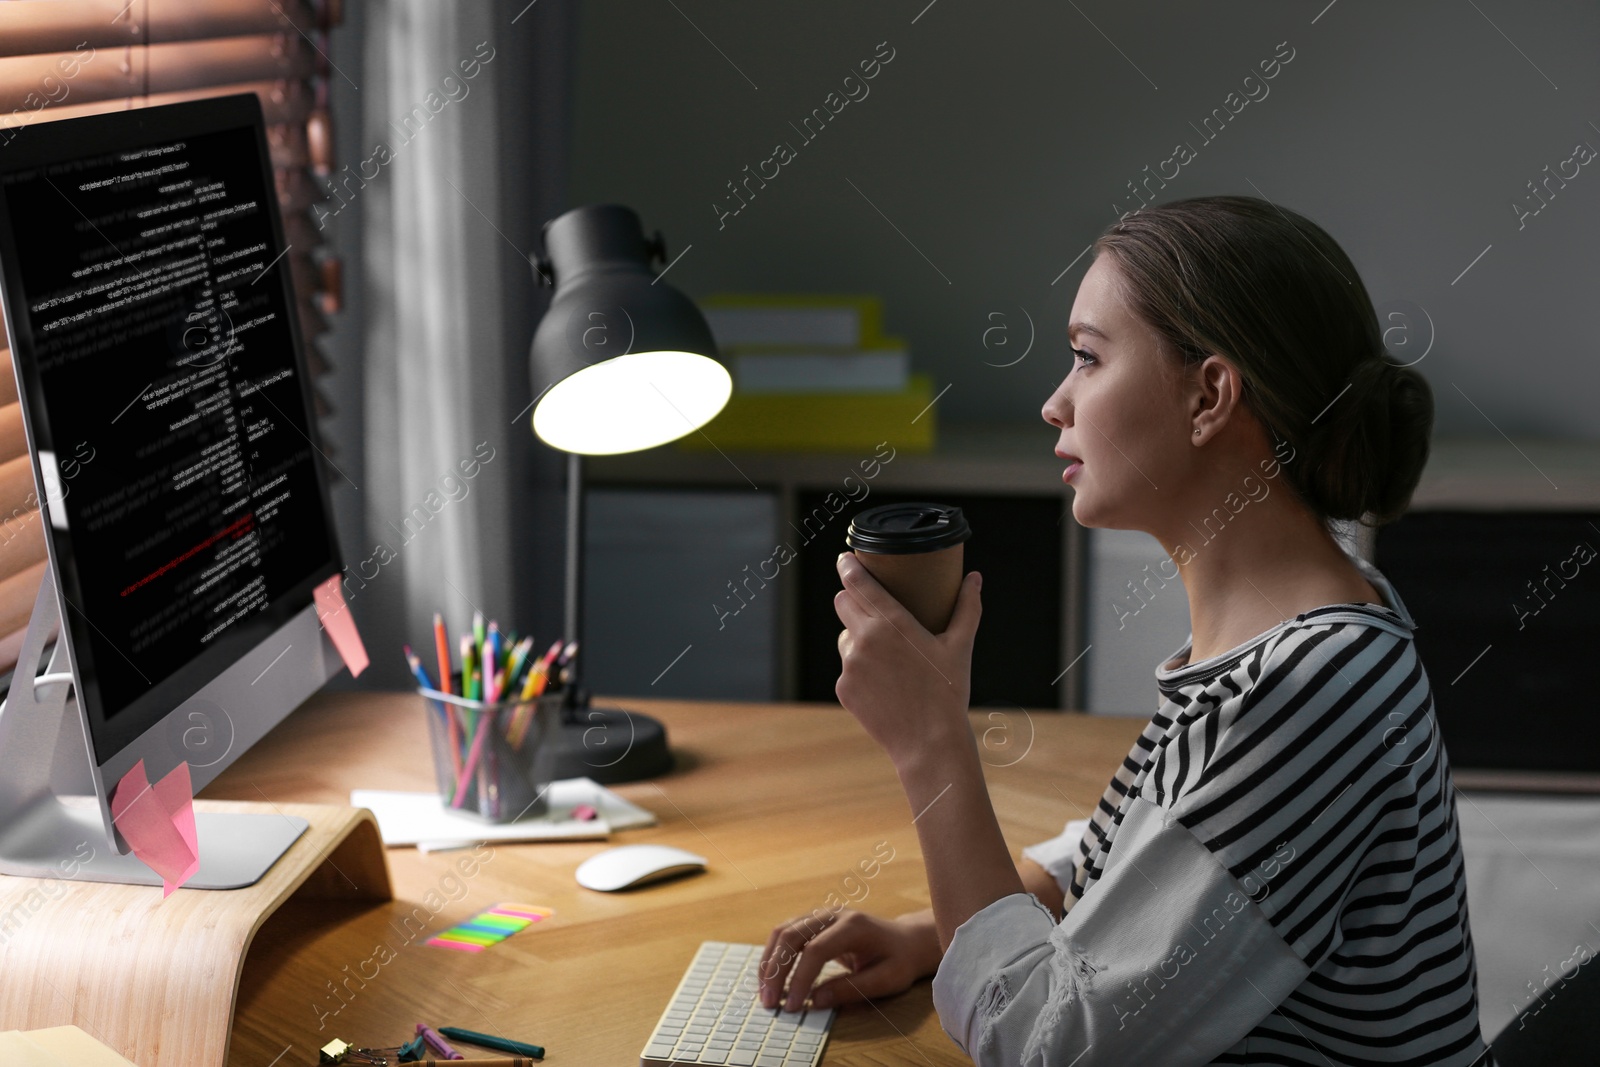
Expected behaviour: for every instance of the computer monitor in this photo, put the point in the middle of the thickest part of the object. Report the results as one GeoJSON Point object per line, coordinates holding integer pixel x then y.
{"type": "Point", "coordinates": [167, 409]}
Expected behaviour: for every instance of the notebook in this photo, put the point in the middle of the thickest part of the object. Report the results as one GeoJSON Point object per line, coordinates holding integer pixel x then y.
{"type": "Point", "coordinates": [421, 819]}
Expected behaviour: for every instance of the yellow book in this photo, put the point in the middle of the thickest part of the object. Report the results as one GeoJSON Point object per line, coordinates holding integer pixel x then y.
{"type": "Point", "coordinates": [822, 422]}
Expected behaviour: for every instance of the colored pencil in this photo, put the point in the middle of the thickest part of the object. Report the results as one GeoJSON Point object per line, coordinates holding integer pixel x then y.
{"type": "Point", "coordinates": [491, 664]}
{"type": "Point", "coordinates": [443, 707]}
{"type": "Point", "coordinates": [441, 644]}
{"type": "Point", "coordinates": [416, 668]}
{"type": "Point", "coordinates": [530, 692]}
{"type": "Point", "coordinates": [467, 657]}
{"type": "Point", "coordinates": [519, 656]}
{"type": "Point", "coordinates": [499, 1044]}
{"type": "Point", "coordinates": [529, 689]}
{"type": "Point", "coordinates": [478, 634]}
{"type": "Point", "coordinates": [437, 1043]}
{"type": "Point", "coordinates": [481, 733]}
{"type": "Point", "coordinates": [497, 667]}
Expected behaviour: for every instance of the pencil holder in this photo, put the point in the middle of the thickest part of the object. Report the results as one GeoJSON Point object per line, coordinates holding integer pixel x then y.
{"type": "Point", "coordinates": [494, 761]}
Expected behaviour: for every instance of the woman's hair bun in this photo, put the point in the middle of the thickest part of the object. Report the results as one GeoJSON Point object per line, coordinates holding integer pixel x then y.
{"type": "Point", "coordinates": [1364, 462]}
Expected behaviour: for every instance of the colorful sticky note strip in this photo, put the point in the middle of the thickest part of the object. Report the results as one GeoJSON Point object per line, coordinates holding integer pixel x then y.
{"type": "Point", "coordinates": [490, 927]}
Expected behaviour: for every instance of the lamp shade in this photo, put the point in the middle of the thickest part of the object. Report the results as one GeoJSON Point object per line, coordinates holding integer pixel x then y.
{"type": "Point", "coordinates": [621, 361]}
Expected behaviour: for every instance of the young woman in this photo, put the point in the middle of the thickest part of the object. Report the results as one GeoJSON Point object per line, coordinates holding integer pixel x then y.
{"type": "Point", "coordinates": [1273, 876]}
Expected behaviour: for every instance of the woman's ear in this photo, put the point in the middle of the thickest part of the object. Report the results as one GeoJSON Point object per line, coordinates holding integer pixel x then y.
{"type": "Point", "coordinates": [1216, 392]}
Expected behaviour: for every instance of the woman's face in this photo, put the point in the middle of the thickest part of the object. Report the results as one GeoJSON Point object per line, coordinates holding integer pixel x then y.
{"type": "Point", "coordinates": [1125, 429]}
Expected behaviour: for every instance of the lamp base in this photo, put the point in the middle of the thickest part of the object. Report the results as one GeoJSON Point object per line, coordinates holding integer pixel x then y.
{"type": "Point", "coordinates": [610, 746]}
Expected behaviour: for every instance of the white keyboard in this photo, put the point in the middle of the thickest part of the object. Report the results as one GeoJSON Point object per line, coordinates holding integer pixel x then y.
{"type": "Point", "coordinates": [716, 1017]}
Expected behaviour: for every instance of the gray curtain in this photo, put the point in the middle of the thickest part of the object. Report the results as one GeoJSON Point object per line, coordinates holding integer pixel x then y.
{"type": "Point", "coordinates": [465, 117]}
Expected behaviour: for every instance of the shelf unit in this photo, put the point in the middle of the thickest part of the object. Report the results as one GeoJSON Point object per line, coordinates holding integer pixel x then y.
{"type": "Point", "coordinates": [1006, 459]}
{"type": "Point", "coordinates": [1490, 473]}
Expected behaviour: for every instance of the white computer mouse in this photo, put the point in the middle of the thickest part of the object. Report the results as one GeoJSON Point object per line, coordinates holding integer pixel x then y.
{"type": "Point", "coordinates": [632, 865]}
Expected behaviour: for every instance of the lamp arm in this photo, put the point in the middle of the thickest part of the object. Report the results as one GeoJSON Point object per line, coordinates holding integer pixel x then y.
{"type": "Point", "coordinates": [574, 584]}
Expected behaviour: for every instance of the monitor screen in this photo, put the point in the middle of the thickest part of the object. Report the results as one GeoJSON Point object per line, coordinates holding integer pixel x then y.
{"type": "Point", "coordinates": [147, 289]}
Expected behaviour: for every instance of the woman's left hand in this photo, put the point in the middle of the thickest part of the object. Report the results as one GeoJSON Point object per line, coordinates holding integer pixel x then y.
{"type": "Point", "coordinates": [907, 687]}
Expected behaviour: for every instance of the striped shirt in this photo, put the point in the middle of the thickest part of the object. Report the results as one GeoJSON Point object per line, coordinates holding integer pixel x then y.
{"type": "Point", "coordinates": [1273, 876]}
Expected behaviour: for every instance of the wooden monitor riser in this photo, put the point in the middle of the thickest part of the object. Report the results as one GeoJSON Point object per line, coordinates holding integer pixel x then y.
{"type": "Point", "coordinates": [156, 979]}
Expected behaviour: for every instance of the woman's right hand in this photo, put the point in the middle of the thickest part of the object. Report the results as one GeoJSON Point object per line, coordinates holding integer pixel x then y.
{"type": "Point", "coordinates": [884, 956]}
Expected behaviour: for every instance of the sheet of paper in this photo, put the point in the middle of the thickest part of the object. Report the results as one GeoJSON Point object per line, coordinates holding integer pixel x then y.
{"type": "Point", "coordinates": [615, 809]}
{"type": "Point", "coordinates": [158, 823]}
{"type": "Point", "coordinates": [421, 819]}
{"type": "Point", "coordinates": [340, 624]}
{"type": "Point", "coordinates": [18, 1050]}
{"type": "Point", "coordinates": [418, 818]}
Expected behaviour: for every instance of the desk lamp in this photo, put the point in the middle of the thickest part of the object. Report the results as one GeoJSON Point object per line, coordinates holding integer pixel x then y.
{"type": "Point", "coordinates": [622, 362]}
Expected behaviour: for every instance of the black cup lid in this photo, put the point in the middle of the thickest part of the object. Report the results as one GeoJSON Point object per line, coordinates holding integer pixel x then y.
{"type": "Point", "coordinates": [904, 528]}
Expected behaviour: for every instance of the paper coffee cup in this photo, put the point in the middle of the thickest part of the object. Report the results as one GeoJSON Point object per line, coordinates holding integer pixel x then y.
{"type": "Point", "coordinates": [915, 552]}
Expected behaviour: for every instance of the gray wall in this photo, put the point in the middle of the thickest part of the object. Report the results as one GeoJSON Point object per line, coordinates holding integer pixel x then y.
{"type": "Point", "coordinates": [999, 138]}
{"type": "Point", "coordinates": [999, 141]}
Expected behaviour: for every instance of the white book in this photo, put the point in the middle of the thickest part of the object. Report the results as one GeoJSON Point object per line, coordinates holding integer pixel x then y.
{"type": "Point", "coordinates": [884, 370]}
{"type": "Point", "coordinates": [838, 326]}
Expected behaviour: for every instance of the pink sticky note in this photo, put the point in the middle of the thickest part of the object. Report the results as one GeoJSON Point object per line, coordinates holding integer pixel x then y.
{"type": "Point", "coordinates": [341, 625]}
{"type": "Point", "coordinates": [158, 823]}
{"type": "Point", "coordinates": [176, 794]}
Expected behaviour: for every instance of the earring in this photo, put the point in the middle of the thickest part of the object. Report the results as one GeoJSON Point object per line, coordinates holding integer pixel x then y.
{"type": "Point", "coordinates": [1197, 433]}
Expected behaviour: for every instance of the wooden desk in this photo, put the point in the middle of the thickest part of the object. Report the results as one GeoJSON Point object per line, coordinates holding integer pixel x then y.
{"type": "Point", "coordinates": [784, 799]}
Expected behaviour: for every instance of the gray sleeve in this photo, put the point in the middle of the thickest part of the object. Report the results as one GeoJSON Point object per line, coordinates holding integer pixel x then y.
{"type": "Point", "coordinates": [1164, 961]}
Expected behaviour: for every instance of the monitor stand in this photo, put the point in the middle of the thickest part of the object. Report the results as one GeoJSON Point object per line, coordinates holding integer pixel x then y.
{"type": "Point", "coordinates": [158, 979]}
{"type": "Point", "coordinates": [154, 977]}
{"type": "Point", "coordinates": [236, 848]}
{"type": "Point", "coordinates": [41, 837]}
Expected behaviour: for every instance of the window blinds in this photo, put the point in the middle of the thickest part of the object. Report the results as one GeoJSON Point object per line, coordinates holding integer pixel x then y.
{"type": "Point", "coordinates": [63, 58]}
